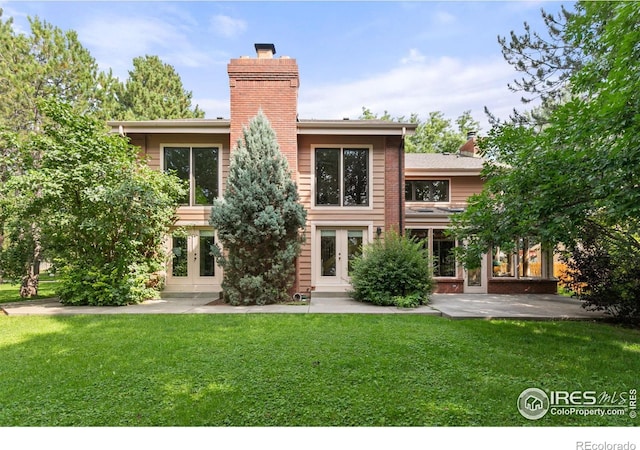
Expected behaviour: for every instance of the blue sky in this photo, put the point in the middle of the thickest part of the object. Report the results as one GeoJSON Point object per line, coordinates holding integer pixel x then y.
{"type": "Point", "coordinates": [404, 57]}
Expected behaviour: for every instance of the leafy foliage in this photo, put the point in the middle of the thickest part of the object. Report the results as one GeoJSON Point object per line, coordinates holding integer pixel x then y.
{"type": "Point", "coordinates": [102, 214]}
{"type": "Point", "coordinates": [605, 276]}
{"type": "Point", "coordinates": [579, 173]}
{"type": "Point", "coordinates": [258, 221]}
{"type": "Point", "coordinates": [393, 271]}
{"type": "Point", "coordinates": [436, 134]}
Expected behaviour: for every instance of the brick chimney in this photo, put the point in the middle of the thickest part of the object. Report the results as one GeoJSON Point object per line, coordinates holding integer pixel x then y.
{"type": "Point", "coordinates": [470, 148]}
{"type": "Point", "coordinates": [271, 85]}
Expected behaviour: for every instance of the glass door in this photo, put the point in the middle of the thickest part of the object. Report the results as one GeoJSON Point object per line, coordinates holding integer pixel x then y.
{"type": "Point", "coordinates": [337, 248]}
{"type": "Point", "coordinates": [192, 266]}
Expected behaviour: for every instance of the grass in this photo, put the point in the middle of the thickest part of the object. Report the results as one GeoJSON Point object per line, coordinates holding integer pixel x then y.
{"type": "Point", "coordinates": [301, 370]}
{"type": "Point", "coordinates": [10, 292]}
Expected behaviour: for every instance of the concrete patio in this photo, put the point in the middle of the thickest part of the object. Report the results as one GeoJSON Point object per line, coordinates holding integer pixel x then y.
{"type": "Point", "coordinates": [454, 306]}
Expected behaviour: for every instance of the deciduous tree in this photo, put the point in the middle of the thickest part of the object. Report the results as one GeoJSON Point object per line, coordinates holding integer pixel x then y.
{"type": "Point", "coordinates": [579, 174]}
{"type": "Point", "coordinates": [102, 214]}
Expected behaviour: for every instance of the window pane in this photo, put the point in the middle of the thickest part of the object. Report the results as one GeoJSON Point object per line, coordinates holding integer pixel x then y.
{"type": "Point", "coordinates": [356, 177]}
{"type": "Point", "coordinates": [328, 253]}
{"type": "Point", "coordinates": [408, 191]}
{"type": "Point", "coordinates": [439, 191]}
{"type": "Point", "coordinates": [530, 256]}
{"type": "Point", "coordinates": [207, 261]}
{"type": "Point", "coordinates": [444, 263]}
{"type": "Point", "coordinates": [205, 172]}
{"type": "Point", "coordinates": [502, 263]}
{"type": "Point", "coordinates": [176, 159]}
{"type": "Point", "coordinates": [420, 235]}
{"type": "Point", "coordinates": [474, 277]}
{"type": "Point", "coordinates": [179, 250]}
{"type": "Point", "coordinates": [354, 239]}
{"type": "Point", "coordinates": [422, 191]}
{"type": "Point", "coordinates": [327, 176]}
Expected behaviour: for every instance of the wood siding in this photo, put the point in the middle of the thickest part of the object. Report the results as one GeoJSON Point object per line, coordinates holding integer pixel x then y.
{"type": "Point", "coordinates": [375, 214]}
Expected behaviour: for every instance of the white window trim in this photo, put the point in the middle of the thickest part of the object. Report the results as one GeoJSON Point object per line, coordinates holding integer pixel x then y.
{"type": "Point", "coordinates": [313, 178]}
{"type": "Point", "coordinates": [192, 146]}
{"type": "Point", "coordinates": [448, 179]}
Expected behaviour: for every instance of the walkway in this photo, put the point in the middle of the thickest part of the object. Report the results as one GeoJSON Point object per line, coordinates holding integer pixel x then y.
{"type": "Point", "coordinates": [455, 306]}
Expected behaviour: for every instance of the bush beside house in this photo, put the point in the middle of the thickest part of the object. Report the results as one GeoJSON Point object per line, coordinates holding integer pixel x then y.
{"type": "Point", "coordinates": [392, 271]}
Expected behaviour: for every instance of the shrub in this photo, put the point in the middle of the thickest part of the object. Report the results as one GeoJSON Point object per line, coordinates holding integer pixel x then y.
{"type": "Point", "coordinates": [606, 276]}
{"type": "Point", "coordinates": [392, 271]}
{"type": "Point", "coordinates": [104, 286]}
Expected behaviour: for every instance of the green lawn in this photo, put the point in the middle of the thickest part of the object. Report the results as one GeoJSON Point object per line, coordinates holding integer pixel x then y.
{"type": "Point", "coordinates": [301, 370]}
{"type": "Point", "coordinates": [11, 292]}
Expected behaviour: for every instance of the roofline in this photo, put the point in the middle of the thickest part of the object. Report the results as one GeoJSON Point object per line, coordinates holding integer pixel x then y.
{"type": "Point", "coordinates": [440, 171]}
{"type": "Point", "coordinates": [326, 127]}
{"type": "Point", "coordinates": [194, 126]}
{"type": "Point", "coordinates": [356, 127]}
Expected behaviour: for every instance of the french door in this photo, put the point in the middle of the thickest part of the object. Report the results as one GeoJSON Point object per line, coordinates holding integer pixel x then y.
{"type": "Point", "coordinates": [192, 267]}
{"type": "Point", "coordinates": [336, 249]}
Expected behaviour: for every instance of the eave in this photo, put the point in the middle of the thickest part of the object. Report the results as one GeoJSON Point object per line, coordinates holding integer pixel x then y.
{"type": "Point", "coordinates": [190, 126]}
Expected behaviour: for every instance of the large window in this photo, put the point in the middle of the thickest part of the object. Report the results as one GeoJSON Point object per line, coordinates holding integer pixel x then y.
{"type": "Point", "coordinates": [199, 167]}
{"type": "Point", "coordinates": [426, 190]}
{"type": "Point", "coordinates": [440, 250]}
{"type": "Point", "coordinates": [342, 176]}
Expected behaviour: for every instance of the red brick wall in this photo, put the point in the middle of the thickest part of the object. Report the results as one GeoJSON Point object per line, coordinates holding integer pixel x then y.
{"type": "Point", "coordinates": [270, 85]}
{"type": "Point", "coordinates": [393, 184]}
{"type": "Point", "coordinates": [513, 286]}
{"type": "Point", "coordinates": [454, 286]}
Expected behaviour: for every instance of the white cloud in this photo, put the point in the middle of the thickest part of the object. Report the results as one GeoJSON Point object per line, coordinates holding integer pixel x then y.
{"type": "Point", "coordinates": [445, 18]}
{"type": "Point", "coordinates": [227, 27]}
{"type": "Point", "coordinates": [115, 41]}
{"type": "Point", "coordinates": [446, 84]}
{"type": "Point", "coordinates": [213, 107]}
{"type": "Point", "coordinates": [414, 56]}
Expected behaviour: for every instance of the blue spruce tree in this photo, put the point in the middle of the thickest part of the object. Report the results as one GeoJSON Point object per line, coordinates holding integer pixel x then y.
{"type": "Point", "coordinates": [259, 221]}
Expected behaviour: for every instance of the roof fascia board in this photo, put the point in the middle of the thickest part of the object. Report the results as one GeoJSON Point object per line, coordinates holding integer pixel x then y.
{"type": "Point", "coordinates": [412, 172]}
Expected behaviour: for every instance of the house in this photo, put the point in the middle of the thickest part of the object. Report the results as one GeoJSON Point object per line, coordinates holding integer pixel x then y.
{"type": "Point", "coordinates": [350, 175]}
{"type": "Point", "coordinates": [438, 186]}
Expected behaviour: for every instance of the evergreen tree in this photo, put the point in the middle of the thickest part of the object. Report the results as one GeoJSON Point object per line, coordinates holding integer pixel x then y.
{"type": "Point", "coordinates": [258, 221]}
{"type": "Point", "coordinates": [154, 90]}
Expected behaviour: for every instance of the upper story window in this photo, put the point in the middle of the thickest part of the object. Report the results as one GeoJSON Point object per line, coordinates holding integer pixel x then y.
{"type": "Point", "coordinates": [199, 166]}
{"type": "Point", "coordinates": [342, 176]}
{"type": "Point", "coordinates": [426, 190]}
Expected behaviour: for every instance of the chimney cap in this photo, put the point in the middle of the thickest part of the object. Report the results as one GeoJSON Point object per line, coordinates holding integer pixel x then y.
{"type": "Point", "coordinates": [265, 50]}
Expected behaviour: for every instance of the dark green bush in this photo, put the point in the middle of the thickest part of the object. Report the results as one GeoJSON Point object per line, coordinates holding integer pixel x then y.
{"type": "Point", "coordinates": [605, 275]}
{"type": "Point", "coordinates": [103, 286]}
{"type": "Point", "coordinates": [392, 271]}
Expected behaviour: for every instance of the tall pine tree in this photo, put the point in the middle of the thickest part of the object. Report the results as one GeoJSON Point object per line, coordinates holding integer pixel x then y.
{"type": "Point", "coordinates": [259, 220]}
{"type": "Point", "coordinates": [154, 90]}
